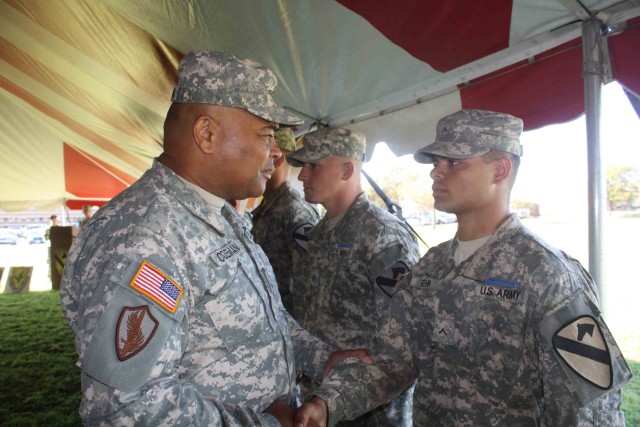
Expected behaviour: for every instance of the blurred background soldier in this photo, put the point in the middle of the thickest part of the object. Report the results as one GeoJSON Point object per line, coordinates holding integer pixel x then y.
{"type": "Point", "coordinates": [355, 254]}
{"type": "Point", "coordinates": [86, 212]}
{"type": "Point", "coordinates": [282, 220]}
{"type": "Point", "coordinates": [53, 222]}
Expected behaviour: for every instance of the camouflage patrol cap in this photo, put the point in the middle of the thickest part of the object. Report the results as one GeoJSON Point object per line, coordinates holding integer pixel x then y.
{"type": "Point", "coordinates": [471, 133]}
{"type": "Point", "coordinates": [285, 139]}
{"type": "Point", "coordinates": [219, 78]}
{"type": "Point", "coordinates": [327, 142]}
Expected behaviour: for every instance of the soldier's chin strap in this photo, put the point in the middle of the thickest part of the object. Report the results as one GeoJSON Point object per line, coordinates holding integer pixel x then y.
{"type": "Point", "coordinates": [391, 206]}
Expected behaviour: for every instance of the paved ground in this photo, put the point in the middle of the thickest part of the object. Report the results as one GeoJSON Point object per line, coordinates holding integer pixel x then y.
{"type": "Point", "coordinates": [622, 287]}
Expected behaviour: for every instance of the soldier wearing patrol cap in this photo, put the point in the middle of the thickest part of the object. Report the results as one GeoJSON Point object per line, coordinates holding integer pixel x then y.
{"type": "Point", "coordinates": [500, 327]}
{"type": "Point", "coordinates": [355, 254]}
{"type": "Point", "coordinates": [175, 309]}
{"type": "Point", "coordinates": [282, 219]}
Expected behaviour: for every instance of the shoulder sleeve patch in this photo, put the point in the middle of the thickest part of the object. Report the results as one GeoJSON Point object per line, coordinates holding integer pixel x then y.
{"type": "Point", "coordinates": [127, 341]}
{"type": "Point", "coordinates": [581, 350]}
{"type": "Point", "coordinates": [156, 285]}
{"type": "Point", "coordinates": [388, 279]}
{"type": "Point", "coordinates": [136, 326]}
{"type": "Point", "coordinates": [581, 345]}
{"type": "Point", "coordinates": [300, 235]}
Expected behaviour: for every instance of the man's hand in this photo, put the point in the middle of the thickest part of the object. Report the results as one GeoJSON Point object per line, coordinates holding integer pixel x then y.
{"type": "Point", "coordinates": [313, 413]}
{"type": "Point", "coordinates": [284, 413]}
{"type": "Point", "coordinates": [337, 356]}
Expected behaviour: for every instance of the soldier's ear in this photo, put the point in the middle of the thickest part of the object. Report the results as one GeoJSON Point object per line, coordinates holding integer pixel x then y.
{"type": "Point", "coordinates": [347, 171]}
{"type": "Point", "coordinates": [205, 130]}
{"type": "Point", "coordinates": [502, 169]}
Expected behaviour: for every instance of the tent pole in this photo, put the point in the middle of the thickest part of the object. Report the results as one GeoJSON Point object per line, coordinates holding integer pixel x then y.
{"type": "Point", "coordinates": [592, 74]}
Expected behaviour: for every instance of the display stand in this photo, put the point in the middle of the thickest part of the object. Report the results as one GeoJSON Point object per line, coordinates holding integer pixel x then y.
{"type": "Point", "coordinates": [61, 238]}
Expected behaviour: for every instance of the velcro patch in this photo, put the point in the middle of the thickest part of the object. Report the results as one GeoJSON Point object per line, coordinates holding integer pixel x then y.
{"type": "Point", "coordinates": [444, 330]}
{"type": "Point", "coordinates": [581, 345]}
{"type": "Point", "coordinates": [431, 283]}
{"type": "Point", "coordinates": [388, 279]}
{"type": "Point", "coordinates": [227, 252]}
{"type": "Point", "coordinates": [136, 326]}
{"type": "Point", "coordinates": [300, 235]}
{"type": "Point", "coordinates": [343, 249]}
{"type": "Point", "coordinates": [156, 285]}
{"type": "Point", "coordinates": [502, 294]}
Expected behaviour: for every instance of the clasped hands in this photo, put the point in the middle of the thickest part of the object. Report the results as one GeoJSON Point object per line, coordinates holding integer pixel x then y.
{"type": "Point", "coordinates": [314, 412]}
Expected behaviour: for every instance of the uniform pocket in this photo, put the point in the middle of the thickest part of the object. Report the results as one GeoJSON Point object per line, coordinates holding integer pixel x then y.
{"type": "Point", "coordinates": [500, 356]}
{"type": "Point", "coordinates": [238, 310]}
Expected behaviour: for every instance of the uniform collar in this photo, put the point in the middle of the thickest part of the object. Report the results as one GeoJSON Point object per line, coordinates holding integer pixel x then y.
{"type": "Point", "coordinates": [479, 265]}
{"type": "Point", "coordinates": [265, 204]}
{"type": "Point", "coordinates": [188, 197]}
{"type": "Point", "coordinates": [346, 217]}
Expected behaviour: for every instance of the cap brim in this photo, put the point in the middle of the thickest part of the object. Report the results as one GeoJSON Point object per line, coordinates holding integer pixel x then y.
{"type": "Point", "coordinates": [276, 115]}
{"type": "Point", "coordinates": [423, 156]}
{"type": "Point", "coordinates": [437, 149]}
{"type": "Point", "coordinates": [299, 157]}
{"type": "Point", "coordinates": [294, 162]}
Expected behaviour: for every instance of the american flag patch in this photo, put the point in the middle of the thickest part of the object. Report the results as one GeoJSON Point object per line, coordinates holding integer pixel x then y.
{"type": "Point", "coordinates": [154, 284]}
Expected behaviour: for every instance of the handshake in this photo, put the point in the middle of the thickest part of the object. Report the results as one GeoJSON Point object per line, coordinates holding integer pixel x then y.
{"type": "Point", "coordinates": [314, 412]}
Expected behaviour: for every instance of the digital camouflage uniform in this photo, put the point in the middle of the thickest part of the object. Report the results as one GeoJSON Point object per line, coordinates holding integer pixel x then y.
{"type": "Point", "coordinates": [347, 279]}
{"type": "Point", "coordinates": [209, 345]}
{"type": "Point", "coordinates": [348, 274]}
{"type": "Point", "coordinates": [511, 336]}
{"type": "Point", "coordinates": [280, 225]}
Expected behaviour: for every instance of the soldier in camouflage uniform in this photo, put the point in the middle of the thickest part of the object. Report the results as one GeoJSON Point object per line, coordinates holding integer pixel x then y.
{"type": "Point", "coordinates": [355, 254]}
{"type": "Point", "coordinates": [500, 327]}
{"type": "Point", "coordinates": [175, 309]}
{"type": "Point", "coordinates": [282, 220]}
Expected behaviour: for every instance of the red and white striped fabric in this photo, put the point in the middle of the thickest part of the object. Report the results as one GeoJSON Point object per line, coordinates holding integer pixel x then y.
{"type": "Point", "coordinates": [97, 75]}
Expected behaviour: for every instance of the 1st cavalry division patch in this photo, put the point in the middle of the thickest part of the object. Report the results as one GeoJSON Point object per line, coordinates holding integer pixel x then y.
{"type": "Point", "coordinates": [300, 235]}
{"type": "Point", "coordinates": [157, 286]}
{"type": "Point", "coordinates": [582, 346]}
{"type": "Point", "coordinates": [388, 279]}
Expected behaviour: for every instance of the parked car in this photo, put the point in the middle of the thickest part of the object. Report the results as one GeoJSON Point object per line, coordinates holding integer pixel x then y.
{"type": "Point", "coordinates": [35, 233]}
{"type": "Point", "coordinates": [426, 218]}
{"type": "Point", "coordinates": [522, 212]}
{"type": "Point", "coordinates": [8, 236]}
{"type": "Point", "coordinates": [445, 218]}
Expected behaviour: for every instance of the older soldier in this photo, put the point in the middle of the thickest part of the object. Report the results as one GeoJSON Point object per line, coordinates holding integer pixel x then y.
{"type": "Point", "coordinates": [502, 328]}
{"type": "Point", "coordinates": [175, 310]}
{"type": "Point", "coordinates": [282, 220]}
{"type": "Point", "coordinates": [355, 254]}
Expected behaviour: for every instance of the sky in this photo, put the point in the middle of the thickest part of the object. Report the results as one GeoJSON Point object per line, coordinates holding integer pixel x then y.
{"type": "Point", "coordinates": [553, 171]}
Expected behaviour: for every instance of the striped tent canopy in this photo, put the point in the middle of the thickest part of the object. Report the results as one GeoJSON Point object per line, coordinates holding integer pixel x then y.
{"type": "Point", "coordinates": [85, 84]}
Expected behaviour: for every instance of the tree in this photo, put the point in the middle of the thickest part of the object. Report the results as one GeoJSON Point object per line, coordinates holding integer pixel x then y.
{"type": "Point", "coordinates": [623, 186]}
{"type": "Point", "coordinates": [532, 209]}
{"type": "Point", "coordinates": [408, 188]}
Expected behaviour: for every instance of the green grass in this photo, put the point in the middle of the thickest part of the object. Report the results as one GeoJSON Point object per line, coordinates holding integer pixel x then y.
{"type": "Point", "coordinates": [39, 380]}
{"type": "Point", "coordinates": [631, 396]}
{"type": "Point", "coordinates": [40, 384]}
{"type": "Point", "coordinates": [632, 214]}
